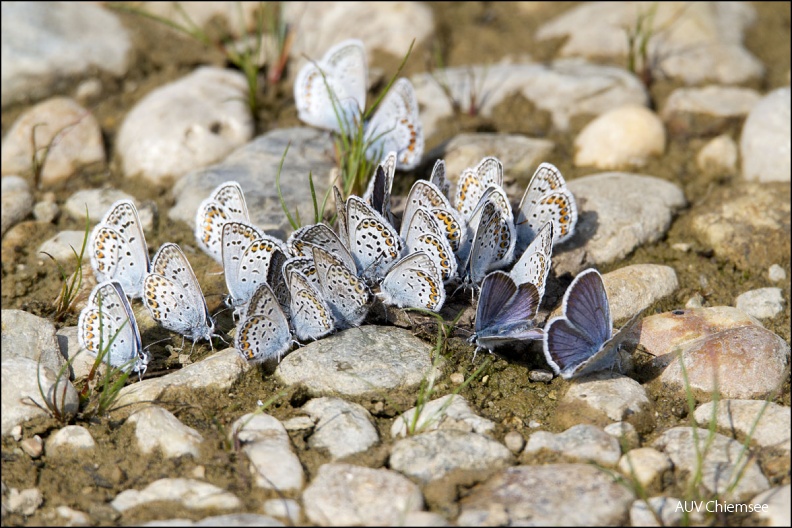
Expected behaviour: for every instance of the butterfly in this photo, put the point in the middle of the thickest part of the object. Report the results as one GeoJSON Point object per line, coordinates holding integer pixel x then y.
{"type": "Point", "coordinates": [581, 341]}
{"type": "Point", "coordinates": [547, 199]}
{"type": "Point", "coordinates": [413, 282]}
{"type": "Point", "coordinates": [534, 264]}
{"type": "Point", "coordinates": [378, 192]}
{"type": "Point", "coordinates": [423, 234]}
{"type": "Point", "coordinates": [373, 242]}
{"type": "Point", "coordinates": [302, 242]}
{"type": "Point", "coordinates": [426, 195]}
{"type": "Point", "coordinates": [505, 312]}
{"type": "Point", "coordinates": [247, 253]}
{"type": "Point", "coordinates": [333, 88]}
{"type": "Point", "coordinates": [118, 249]}
{"type": "Point", "coordinates": [347, 295]}
{"type": "Point", "coordinates": [173, 296]}
{"type": "Point", "coordinates": [331, 94]}
{"type": "Point", "coordinates": [438, 178]}
{"type": "Point", "coordinates": [225, 204]}
{"type": "Point", "coordinates": [474, 181]}
{"type": "Point", "coordinates": [396, 126]}
{"type": "Point", "coordinates": [264, 332]}
{"type": "Point", "coordinates": [108, 326]}
{"type": "Point", "coordinates": [492, 246]}
{"type": "Point", "coordinates": [310, 315]}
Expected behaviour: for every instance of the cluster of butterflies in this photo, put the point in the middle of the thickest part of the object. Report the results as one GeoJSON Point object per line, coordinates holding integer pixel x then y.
{"type": "Point", "coordinates": [320, 280]}
{"type": "Point", "coordinates": [331, 94]}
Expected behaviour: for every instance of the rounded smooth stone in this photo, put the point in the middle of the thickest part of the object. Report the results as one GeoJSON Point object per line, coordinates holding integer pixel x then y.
{"type": "Point", "coordinates": [347, 495]}
{"type": "Point", "coordinates": [71, 437]}
{"type": "Point", "coordinates": [718, 156]}
{"type": "Point", "coordinates": [603, 398]}
{"type": "Point", "coordinates": [185, 125]}
{"type": "Point", "coordinates": [17, 202]}
{"type": "Point", "coordinates": [579, 443]}
{"type": "Point", "coordinates": [358, 361]}
{"type": "Point", "coordinates": [766, 142]}
{"type": "Point", "coordinates": [748, 362]}
{"type": "Point", "coordinates": [763, 303]}
{"type": "Point", "coordinates": [66, 139]}
{"type": "Point", "coordinates": [547, 495]}
{"type": "Point", "coordinates": [520, 155]}
{"type": "Point", "coordinates": [157, 428]}
{"type": "Point", "coordinates": [647, 466]}
{"type": "Point", "coordinates": [623, 137]}
{"type": "Point", "coordinates": [700, 111]}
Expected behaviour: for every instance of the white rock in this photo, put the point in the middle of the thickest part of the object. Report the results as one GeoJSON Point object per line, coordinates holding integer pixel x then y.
{"type": "Point", "coordinates": [547, 495]}
{"type": "Point", "coordinates": [388, 27]}
{"type": "Point", "coordinates": [763, 303]}
{"type": "Point", "coordinates": [220, 371]}
{"type": "Point", "coordinates": [436, 454]}
{"type": "Point", "coordinates": [605, 397]}
{"type": "Point", "coordinates": [514, 442]}
{"type": "Point", "coordinates": [231, 519]}
{"type": "Point", "coordinates": [448, 412]}
{"type": "Point", "coordinates": [46, 212]}
{"type": "Point", "coordinates": [766, 143]}
{"type": "Point", "coordinates": [768, 422]}
{"type": "Point", "coordinates": [623, 137]}
{"type": "Point", "coordinates": [582, 443]}
{"type": "Point", "coordinates": [299, 423]}
{"type": "Point", "coordinates": [157, 428]}
{"type": "Point", "coordinates": [424, 518]}
{"type": "Point", "coordinates": [72, 517]}
{"type": "Point", "coordinates": [45, 44]}
{"type": "Point", "coordinates": [71, 437]}
{"type": "Point", "coordinates": [268, 447]}
{"type": "Point", "coordinates": [19, 383]}
{"type": "Point", "coordinates": [776, 273]}
{"type": "Point", "coordinates": [17, 201]}
{"type": "Point", "coordinates": [712, 99]}
{"type": "Point", "coordinates": [191, 494]}
{"type": "Point", "coordinates": [24, 502]}
{"type": "Point", "coordinates": [647, 466]}
{"type": "Point", "coordinates": [375, 358]}
{"type": "Point", "coordinates": [346, 495]}
{"type": "Point", "coordinates": [617, 212]}
{"type": "Point", "coordinates": [66, 138]}
{"type": "Point", "coordinates": [60, 246]}
{"type": "Point", "coordinates": [33, 446]}
{"type": "Point", "coordinates": [30, 336]}
{"type": "Point", "coordinates": [719, 464]}
{"type": "Point", "coordinates": [185, 125]}
{"type": "Point", "coordinates": [777, 511]}
{"type": "Point", "coordinates": [565, 89]}
{"type": "Point", "coordinates": [342, 427]}
{"type": "Point", "coordinates": [98, 202]}
{"type": "Point", "coordinates": [719, 155]}
{"type": "Point", "coordinates": [695, 43]}
{"type": "Point", "coordinates": [632, 289]}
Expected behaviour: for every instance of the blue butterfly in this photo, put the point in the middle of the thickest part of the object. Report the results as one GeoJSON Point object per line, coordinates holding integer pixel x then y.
{"type": "Point", "coordinates": [505, 312]}
{"type": "Point", "coordinates": [581, 341]}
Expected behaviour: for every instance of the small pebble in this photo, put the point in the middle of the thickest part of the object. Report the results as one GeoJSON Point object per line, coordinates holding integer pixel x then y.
{"type": "Point", "coordinates": [540, 376]}
{"type": "Point", "coordinates": [16, 433]}
{"type": "Point", "coordinates": [198, 472]}
{"type": "Point", "coordinates": [776, 273]}
{"type": "Point", "coordinates": [533, 424]}
{"type": "Point", "coordinates": [45, 212]}
{"type": "Point", "coordinates": [696, 301]}
{"type": "Point", "coordinates": [514, 441]}
{"type": "Point", "coordinates": [33, 447]}
{"type": "Point", "coordinates": [681, 246]}
{"type": "Point", "coordinates": [457, 378]}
